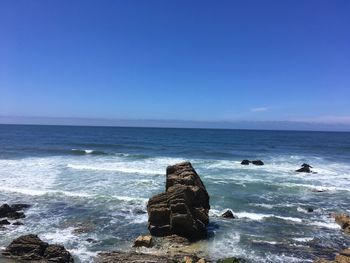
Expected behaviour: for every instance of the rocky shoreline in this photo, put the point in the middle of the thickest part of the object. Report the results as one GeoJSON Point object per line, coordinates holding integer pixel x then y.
{"type": "Point", "coordinates": [177, 219]}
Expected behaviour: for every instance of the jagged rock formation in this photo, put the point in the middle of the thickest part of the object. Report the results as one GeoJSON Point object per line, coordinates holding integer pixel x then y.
{"type": "Point", "coordinates": [32, 248]}
{"type": "Point", "coordinates": [183, 209]}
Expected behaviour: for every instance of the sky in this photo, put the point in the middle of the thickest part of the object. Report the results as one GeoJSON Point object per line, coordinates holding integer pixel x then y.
{"type": "Point", "coordinates": [191, 61]}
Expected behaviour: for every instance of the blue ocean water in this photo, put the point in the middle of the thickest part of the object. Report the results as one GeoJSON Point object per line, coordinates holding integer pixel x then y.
{"type": "Point", "coordinates": [102, 177]}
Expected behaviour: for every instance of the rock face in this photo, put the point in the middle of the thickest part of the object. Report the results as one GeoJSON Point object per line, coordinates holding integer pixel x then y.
{"type": "Point", "coordinates": [342, 257]}
{"type": "Point", "coordinates": [344, 221]}
{"type": "Point", "coordinates": [183, 208]}
{"type": "Point", "coordinates": [31, 247]}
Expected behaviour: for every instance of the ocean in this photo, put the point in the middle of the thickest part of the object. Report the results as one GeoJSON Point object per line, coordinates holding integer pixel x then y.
{"type": "Point", "coordinates": [102, 177]}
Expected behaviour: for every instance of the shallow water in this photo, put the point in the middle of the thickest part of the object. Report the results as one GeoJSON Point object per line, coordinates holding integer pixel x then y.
{"type": "Point", "coordinates": [102, 177]}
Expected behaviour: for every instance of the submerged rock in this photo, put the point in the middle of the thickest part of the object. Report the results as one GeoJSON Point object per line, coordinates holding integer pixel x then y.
{"type": "Point", "coordinates": [183, 209]}
{"type": "Point", "coordinates": [143, 241]}
{"type": "Point", "coordinates": [258, 162]}
{"type": "Point", "coordinates": [228, 214]}
{"type": "Point", "coordinates": [31, 247]}
{"type": "Point", "coordinates": [245, 162]}
{"type": "Point", "coordinates": [344, 221]}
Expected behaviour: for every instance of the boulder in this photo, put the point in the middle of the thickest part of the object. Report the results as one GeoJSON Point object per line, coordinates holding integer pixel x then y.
{"type": "Point", "coordinates": [228, 214]}
{"type": "Point", "coordinates": [57, 253]}
{"type": "Point", "coordinates": [344, 221]}
{"type": "Point", "coordinates": [245, 162]}
{"type": "Point", "coordinates": [258, 162]}
{"type": "Point", "coordinates": [31, 247]}
{"type": "Point", "coordinates": [184, 206]}
{"type": "Point", "coordinates": [143, 241]}
{"type": "Point", "coordinates": [11, 212]}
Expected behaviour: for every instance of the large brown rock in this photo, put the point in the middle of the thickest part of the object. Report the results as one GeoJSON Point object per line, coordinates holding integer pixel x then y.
{"type": "Point", "coordinates": [31, 247]}
{"type": "Point", "coordinates": [344, 221]}
{"type": "Point", "coordinates": [183, 208]}
{"type": "Point", "coordinates": [342, 257]}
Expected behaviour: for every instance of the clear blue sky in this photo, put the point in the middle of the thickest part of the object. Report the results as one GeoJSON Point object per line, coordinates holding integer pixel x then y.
{"type": "Point", "coordinates": [176, 60]}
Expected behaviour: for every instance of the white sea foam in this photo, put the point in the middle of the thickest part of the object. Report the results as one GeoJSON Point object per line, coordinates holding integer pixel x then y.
{"type": "Point", "coordinates": [303, 239]}
{"type": "Point", "coordinates": [33, 192]}
{"type": "Point", "coordinates": [150, 166]}
{"type": "Point", "coordinates": [254, 216]}
{"type": "Point", "coordinates": [331, 225]}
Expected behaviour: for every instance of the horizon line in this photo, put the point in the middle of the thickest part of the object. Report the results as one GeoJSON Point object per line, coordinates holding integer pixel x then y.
{"type": "Point", "coordinates": [267, 125]}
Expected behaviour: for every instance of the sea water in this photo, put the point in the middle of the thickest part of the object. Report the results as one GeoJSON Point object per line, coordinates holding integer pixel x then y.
{"type": "Point", "coordinates": [102, 177]}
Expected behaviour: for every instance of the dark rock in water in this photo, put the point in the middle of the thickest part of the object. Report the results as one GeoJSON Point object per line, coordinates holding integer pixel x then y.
{"type": "Point", "coordinates": [245, 162]}
{"type": "Point", "coordinates": [306, 165]}
{"type": "Point", "coordinates": [344, 221]}
{"type": "Point", "coordinates": [228, 214]}
{"type": "Point", "coordinates": [258, 162]}
{"type": "Point", "coordinates": [310, 210]}
{"type": "Point", "coordinates": [84, 227]}
{"type": "Point", "coordinates": [91, 240]}
{"type": "Point", "coordinates": [304, 170]}
{"type": "Point", "coordinates": [143, 241]}
{"type": "Point", "coordinates": [17, 223]}
{"type": "Point", "coordinates": [133, 257]}
{"type": "Point", "coordinates": [31, 247]}
{"type": "Point", "coordinates": [57, 253]}
{"type": "Point", "coordinates": [231, 260]}
{"type": "Point", "coordinates": [10, 212]}
{"type": "Point", "coordinates": [183, 209]}
{"type": "Point", "coordinates": [4, 222]}
{"type": "Point", "coordinates": [319, 190]}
